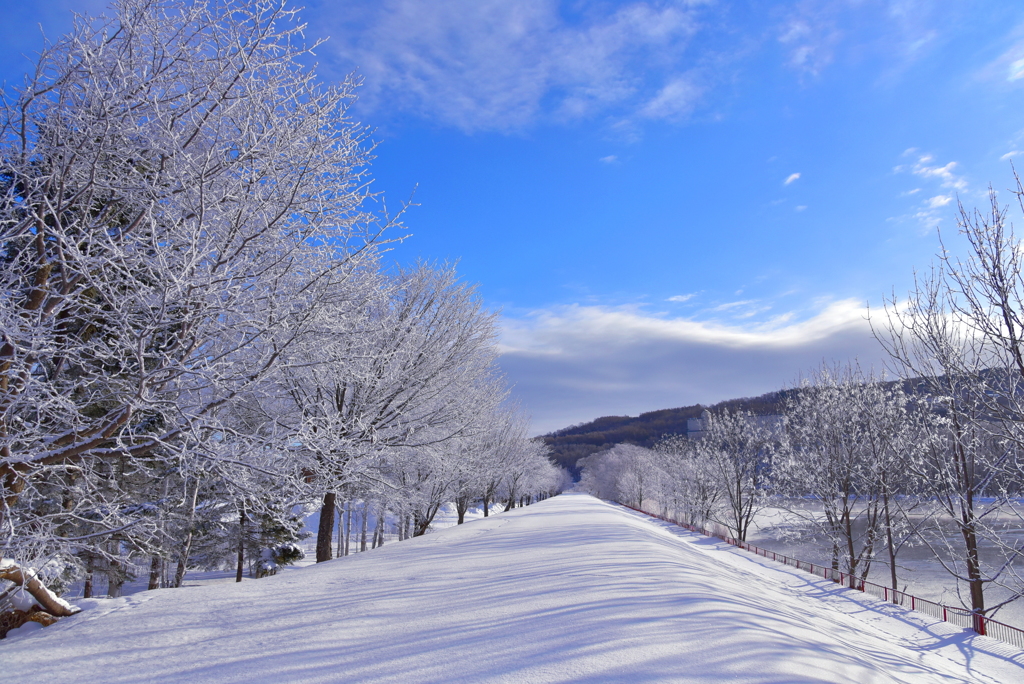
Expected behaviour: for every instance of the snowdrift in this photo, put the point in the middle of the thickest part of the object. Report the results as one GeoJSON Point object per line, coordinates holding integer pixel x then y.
{"type": "Point", "coordinates": [572, 589]}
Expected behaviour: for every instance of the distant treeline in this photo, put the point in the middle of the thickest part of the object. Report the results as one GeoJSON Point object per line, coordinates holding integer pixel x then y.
{"type": "Point", "coordinates": [570, 444]}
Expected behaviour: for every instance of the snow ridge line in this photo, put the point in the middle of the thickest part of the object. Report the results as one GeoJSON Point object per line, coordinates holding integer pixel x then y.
{"type": "Point", "coordinates": [960, 617]}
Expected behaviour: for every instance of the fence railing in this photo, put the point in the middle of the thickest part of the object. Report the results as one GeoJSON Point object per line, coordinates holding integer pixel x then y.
{"type": "Point", "coordinates": [961, 617]}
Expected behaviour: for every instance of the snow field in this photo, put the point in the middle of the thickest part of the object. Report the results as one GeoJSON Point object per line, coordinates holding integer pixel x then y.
{"type": "Point", "coordinates": [919, 572]}
{"type": "Point", "coordinates": [572, 589]}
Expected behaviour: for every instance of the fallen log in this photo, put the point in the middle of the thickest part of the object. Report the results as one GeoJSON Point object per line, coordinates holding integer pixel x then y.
{"type": "Point", "coordinates": [47, 600]}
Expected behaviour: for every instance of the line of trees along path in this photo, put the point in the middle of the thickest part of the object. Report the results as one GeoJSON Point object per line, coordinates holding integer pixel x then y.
{"type": "Point", "coordinates": [200, 335]}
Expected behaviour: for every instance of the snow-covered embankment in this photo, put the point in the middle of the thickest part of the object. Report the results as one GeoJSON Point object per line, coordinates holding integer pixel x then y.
{"type": "Point", "coordinates": [571, 589]}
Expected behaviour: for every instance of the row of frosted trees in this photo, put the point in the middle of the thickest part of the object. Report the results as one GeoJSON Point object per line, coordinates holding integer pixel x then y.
{"type": "Point", "coordinates": [198, 334]}
{"type": "Point", "coordinates": [860, 467]}
{"type": "Point", "coordinates": [870, 468]}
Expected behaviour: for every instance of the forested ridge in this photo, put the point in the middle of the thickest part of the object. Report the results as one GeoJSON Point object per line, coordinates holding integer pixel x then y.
{"type": "Point", "coordinates": [572, 443]}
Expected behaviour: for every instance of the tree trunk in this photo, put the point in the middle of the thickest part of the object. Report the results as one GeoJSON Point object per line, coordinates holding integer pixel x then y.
{"type": "Point", "coordinates": [378, 535]}
{"type": "Point", "coordinates": [115, 579]}
{"type": "Point", "coordinates": [974, 569]}
{"type": "Point", "coordinates": [43, 596]}
{"type": "Point", "coordinates": [154, 573]}
{"type": "Point", "coordinates": [179, 572]}
{"type": "Point", "coordinates": [186, 547]}
{"type": "Point", "coordinates": [341, 530]}
{"type": "Point", "coordinates": [241, 541]}
{"type": "Point", "coordinates": [362, 525]}
{"type": "Point", "coordinates": [461, 505]}
{"type": "Point", "coordinates": [420, 523]}
{"type": "Point", "coordinates": [891, 547]}
{"type": "Point", "coordinates": [851, 561]}
{"type": "Point", "coordinates": [89, 571]}
{"type": "Point", "coordinates": [487, 504]}
{"type": "Point", "coordinates": [348, 525]}
{"type": "Point", "coordinates": [325, 530]}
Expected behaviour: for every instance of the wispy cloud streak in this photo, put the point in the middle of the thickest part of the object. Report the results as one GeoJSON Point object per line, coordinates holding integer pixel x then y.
{"type": "Point", "coordinates": [576, 363]}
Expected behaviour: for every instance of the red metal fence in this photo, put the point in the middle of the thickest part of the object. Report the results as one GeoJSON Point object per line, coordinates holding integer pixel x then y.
{"type": "Point", "coordinates": [960, 617]}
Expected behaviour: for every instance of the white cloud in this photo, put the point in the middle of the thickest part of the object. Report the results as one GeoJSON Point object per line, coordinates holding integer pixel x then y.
{"type": "Point", "coordinates": [732, 305]}
{"type": "Point", "coordinates": [1008, 67]}
{"type": "Point", "coordinates": [801, 207]}
{"type": "Point", "coordinates": [811, 38]}
{"type": "Point", "coordinates": [576, 363]}
{"type": "Point", "coordinates": [502, 64]}
{"type": "Point", "coordinates": [792, 177]}
{"type": "Point", "coordinates": [610, 159]}
{"type": "Point", "coordinates": [681, 298]}
{"type": "Point", "coordinates": [1010, 155]}
{"type": "Point", "coordinates": [1016, 70]}
{"type": "Point", "coordinates": [926, 168]}
{"type": "Point", "coordinates": [673, 102]}
{"type": "Point", "coordinates": [816, 33]}
{"type": "Point", "coordinates": [930, 212]}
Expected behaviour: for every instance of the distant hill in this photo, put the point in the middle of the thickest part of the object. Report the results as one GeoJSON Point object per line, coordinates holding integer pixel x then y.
{"type": "Point", "coordinates": [570, 444]}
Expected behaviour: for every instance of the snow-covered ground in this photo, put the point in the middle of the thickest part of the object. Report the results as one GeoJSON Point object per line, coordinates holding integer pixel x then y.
{"type": "Point", "coordinates": [572, 589]}
{"type": "Point", "coordinates": [446, 517]}
{"type": "Point", "coordinates": [918, 571]}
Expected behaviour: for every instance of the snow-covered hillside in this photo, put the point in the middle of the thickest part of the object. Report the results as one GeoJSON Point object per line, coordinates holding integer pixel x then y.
{"type": "Point", "coordinates": [569, 590]}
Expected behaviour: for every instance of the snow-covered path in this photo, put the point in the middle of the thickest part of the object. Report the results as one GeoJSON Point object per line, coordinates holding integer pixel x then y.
{"type": "Point", "coordinates": [569, 590]}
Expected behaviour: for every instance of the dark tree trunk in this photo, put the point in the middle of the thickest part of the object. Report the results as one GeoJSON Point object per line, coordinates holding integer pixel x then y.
{"type": "Point", "coordinates": [974, 569]}
{"type": "Point", "coordinates": [348, 525]}
{"type": "Point", "coordinates": [241, 542]}
{"type": "Point", "coordinates": [891, 548]}
{"type": "Point", "coordinates": [380, 528]}
{"type": "Point", "coordinates": [186, 547]}
{"type": "Point", "coordinates": [462, 505]}
{"type": "Point", "coordinates": [341, 529]}
{"type": "Point", "coordinates": [326, 529]}
{"type": "Point", "coordinates": [362, 527]}
{"type": "Point", "coordinates": [179, 573]}
{"type": "Point", "coordinates": [115, 579]}
{"type": "Point", "coordinates": [154, 572]}
{"type": "Point", "coordinates": [420, 525]}
{"type": "Point", "coordinates": [89, 571]}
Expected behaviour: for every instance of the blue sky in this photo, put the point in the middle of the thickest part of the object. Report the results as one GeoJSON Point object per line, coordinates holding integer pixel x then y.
{"type": "Point", "coordinates": [671, 202]}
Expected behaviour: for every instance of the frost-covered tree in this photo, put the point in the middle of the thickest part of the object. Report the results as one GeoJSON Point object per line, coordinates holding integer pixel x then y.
{"type": "Point", "coordinates": [737, 448]}
{"type": "Point", "coordinates": [180, 197]}
{"type": "Point", "coordinates": [626, 473]}
{"type": "Point", "coordinates": [959, 336]}
{"type": "Point", "coordinates": [689, 487]}
{"type": "Point", "coordinates": [840, 430]}
{"type": "Point", "coordinates": [412, 373]}
{"type": "Point", "coordinates": [527, 472]}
